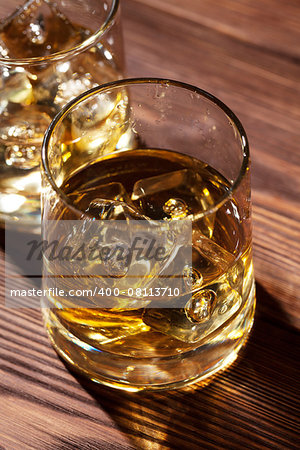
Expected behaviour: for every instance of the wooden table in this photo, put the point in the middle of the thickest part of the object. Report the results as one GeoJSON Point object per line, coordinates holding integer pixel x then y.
{"type": "Point", "coordinates": [246, 52]}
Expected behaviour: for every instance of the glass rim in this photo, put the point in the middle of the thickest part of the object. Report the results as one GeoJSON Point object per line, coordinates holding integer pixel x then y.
{"type": "Point", "coordinates": [138, 81]}
{"type": "Point", "coordinates": [58, 56]}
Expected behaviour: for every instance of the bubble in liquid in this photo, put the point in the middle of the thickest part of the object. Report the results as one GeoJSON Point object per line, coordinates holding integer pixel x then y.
{"type": "Point", "coordinates": [199, 308]}
{"type": "Point", "coordinates": [192, 278]}
{"type": "Point", "coordinates": [176, 208]}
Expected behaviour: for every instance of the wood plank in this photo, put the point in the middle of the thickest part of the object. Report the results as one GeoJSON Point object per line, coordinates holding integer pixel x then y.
{"type": "Point", "coordinates": [270, 24]}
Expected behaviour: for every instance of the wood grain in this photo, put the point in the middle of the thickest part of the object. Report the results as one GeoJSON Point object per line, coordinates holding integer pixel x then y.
{"type": "Point", "coordinates": [247, 53]}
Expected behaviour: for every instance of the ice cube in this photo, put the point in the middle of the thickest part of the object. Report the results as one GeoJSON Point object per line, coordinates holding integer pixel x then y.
{"type": "Point", "coordinates": [98, 126]}
{"type": "Point", "coordinates": [211, 259]}
{"type": "Point", "coordinates": [228, 301]}
{"type": "Point", "coordinates": [174, 195]}
{"type": "Point", "coordinates": [214, 261]}
{"type": "Point", "coordinates": [212, 251]}
{"type": "Point", "coordinates": [22, 157]}
{"type": "Point", "coordinates": [64, 81]}
{"type": "Point", "coordinates": [172, 322]}
{"type": "Point", "coordinates": [90, 197]}
{"type": "Point", "coordinates": [104, 209]}
{"type": "Point", "coordinates": [204, 312]}
{"type": "Point", "coordinates": [15, 87]}
{"type": "Point", "coordinates": [72, 87]}
{"type": "Point", "coordinates": [38, 28]}
{"type": "Point", "coordinates": [112, 203]}
{"type": "Point", "coordinates": [140, 238]}
{"type": "Point", "coordinates": [21, 134]}
{"type": "Point", "coordinates": [117, 238]}
{"type": "Point", "coordinates": [112, 191]}
{"type": "Point", "coordinates": [129, 140]}
{"type": "Point", "coordinates": [87, 70]}
{"type": "Point", "coordinates": [155, 196]}
{"type": "Point", "coordinates": [45, 86]}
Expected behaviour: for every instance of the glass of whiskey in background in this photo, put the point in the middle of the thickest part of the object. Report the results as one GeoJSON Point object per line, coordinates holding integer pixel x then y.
{"type": "Point", "coordinates": [50, 52]}
{"type": "Point", "coordinates": [191, 161]}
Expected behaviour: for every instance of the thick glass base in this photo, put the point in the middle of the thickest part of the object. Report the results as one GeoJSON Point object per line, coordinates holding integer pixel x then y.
{"type": "Point", "coordinates": [137, 374]}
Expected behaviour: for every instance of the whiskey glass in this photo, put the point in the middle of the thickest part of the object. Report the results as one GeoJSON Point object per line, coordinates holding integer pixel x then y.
{"type": "Point", "coordinates": [50, 52]}
{"type": "Point", "coordinates": [150, 151]}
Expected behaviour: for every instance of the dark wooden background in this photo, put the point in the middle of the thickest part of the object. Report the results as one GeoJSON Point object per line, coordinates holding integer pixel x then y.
{"type": "Point", "coordinates": [247, 53]}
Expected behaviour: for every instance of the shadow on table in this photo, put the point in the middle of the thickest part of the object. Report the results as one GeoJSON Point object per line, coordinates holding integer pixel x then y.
{"type": "Point", "coordinates": [186, 418]}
